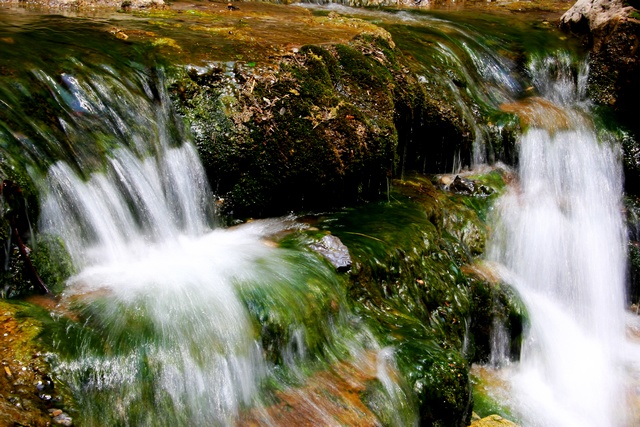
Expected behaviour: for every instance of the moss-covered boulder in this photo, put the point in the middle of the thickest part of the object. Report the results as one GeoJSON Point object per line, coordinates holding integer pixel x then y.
{"type": "Point", "coordinates": [632, 207]}
{"type": "Point", "coordinates": [497, 317]}
{"type": "Point", "coordinates": [319, 130]}
{"type": "Point", "coordinates": [412, 282]}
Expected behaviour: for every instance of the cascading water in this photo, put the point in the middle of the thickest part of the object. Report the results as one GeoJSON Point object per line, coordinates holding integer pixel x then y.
{"type": "Point", "coordinates": [186, 324]}
{"type": "Point", "coordinates": [171, 303]}
{"type": "Point", "coordinates": [142, 240]}
{"type": "Point", "coordinates": [560, 241]}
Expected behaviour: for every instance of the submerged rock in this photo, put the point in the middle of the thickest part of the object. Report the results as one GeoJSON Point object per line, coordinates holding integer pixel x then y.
{"type": "Point", "coordinates": [334, 251]}
{"type": "Point", "coordinates": [63, 419]}
{"type": "Point", "coordinates": [340, 392]}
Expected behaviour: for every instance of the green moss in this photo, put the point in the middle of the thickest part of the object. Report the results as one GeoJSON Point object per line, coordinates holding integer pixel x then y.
{"type": "Point", "coordinates": [411, 283]}
{"type": "Point", "coordinates": [310, 302]}
{"type": "Point", "coordinates": [491, 303]}
{"type": "Point", "coordinates": [27, 352]}
{"type": "Point", "coordinates": [52, 262]}
{"type": "Point", "coordinates": [367, 74]}
{"type": "Point", "coordinates": [494, 180]}
{"type": "Point", "coordinates": [156, 13]}
{"type": "Point", "coordinates": [484, 404]}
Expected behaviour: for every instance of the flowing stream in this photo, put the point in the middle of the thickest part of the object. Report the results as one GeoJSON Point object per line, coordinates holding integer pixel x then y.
{"type": "Point", "coordinates": [189, 323]}
{"type": "Point", "coordinates": [185, 322]}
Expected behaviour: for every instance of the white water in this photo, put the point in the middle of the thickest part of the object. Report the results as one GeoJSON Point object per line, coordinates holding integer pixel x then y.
{"type": "Point", "coordinates": [136, 202]}
{"type": "Point", "coordinates": [560, 239]}
{"type": "Point", "coordinates": [140, 235]}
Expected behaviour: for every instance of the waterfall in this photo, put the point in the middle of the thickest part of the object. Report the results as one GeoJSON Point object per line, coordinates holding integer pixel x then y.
{"type": "Point", "coordinates": [560, 241]}
{"type": "Point", "coordinates": [157, 284]}
{"type": "Point", "coordinates": [96, 219]}
{"type": "Point", "coordinates": [183, 322]}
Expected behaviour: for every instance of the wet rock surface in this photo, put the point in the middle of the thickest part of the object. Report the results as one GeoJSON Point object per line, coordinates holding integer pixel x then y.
{"type": "Point", "coordinates": [91, 4]}
{"type": "Point", "coordinates": [309, 94]}
{"type": "Point", "coordinates": [334, 251]}
{"type": "Point", "coordinates": [493, 421]}
{"type": "Point", "coordinates": [408, 277]}
{"type": "Point", "coordinates": [321, 128]}
{"type": "Point", "coordinates": [338, 394]}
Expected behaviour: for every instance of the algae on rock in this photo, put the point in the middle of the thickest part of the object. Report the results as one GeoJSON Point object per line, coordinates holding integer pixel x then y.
{"type": "Point", "coordinates": [28, 388]}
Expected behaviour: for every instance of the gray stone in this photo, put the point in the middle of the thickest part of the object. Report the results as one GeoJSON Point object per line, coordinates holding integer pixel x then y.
{"type": "Point", "coordinates": [593, 14]}
{"type": "Point", "coordinates": [334, 251]}
{"type": "Point", "coordinates": [63, 419]}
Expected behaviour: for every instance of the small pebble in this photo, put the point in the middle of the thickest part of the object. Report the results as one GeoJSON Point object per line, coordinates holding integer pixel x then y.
{"type": "Point", "coordinates": [63, 420]}
{"type": "Point", "coordinates": [446, 180]}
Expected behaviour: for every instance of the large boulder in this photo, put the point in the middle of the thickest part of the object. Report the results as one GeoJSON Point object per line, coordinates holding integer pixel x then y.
{"type": "Point", "coordinates": [591, 15]}
{"type": "Point", "coordinates": [611, 30]}
{"type": "Point", "coordinates": [322, 128]}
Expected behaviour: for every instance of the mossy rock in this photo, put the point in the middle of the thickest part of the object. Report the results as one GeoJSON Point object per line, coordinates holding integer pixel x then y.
{"type": "Point", "coordinates": [494, 303]}
{"type": "Point", "coordinates": [632, 205]}
{"type": "Point", "coordinates": [295, 141]}
{"type": "Point", "coordinates": [322, 129]}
